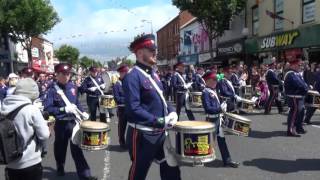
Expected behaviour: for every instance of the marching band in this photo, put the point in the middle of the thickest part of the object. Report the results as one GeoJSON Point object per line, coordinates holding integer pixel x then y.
{"type": "Point", "coordinates": [146, 117]}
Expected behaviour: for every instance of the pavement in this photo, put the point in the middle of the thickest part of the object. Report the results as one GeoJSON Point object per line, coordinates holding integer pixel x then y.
{"type": "Point", "coordinates": [267, 154]}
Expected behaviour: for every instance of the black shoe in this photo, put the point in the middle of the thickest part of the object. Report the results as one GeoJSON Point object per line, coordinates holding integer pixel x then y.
{"type": "Point", "coordinates": [308, 123]}
{"type": "Point", "coordinates": [301, 131]}
{"type": "Point", "coordinates": [60, 172]}
{"type": "Point", "coordinates": [91, 178]}
{"type": "Point", "coordinates": [293, 134]}
{"type": "Point", "coordinates": [231, 164]}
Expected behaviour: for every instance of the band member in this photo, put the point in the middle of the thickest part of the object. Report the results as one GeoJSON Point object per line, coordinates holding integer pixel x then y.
{"type": "Point", "coordinates": [295, 89]}
{"type": "Point", "coordinates": [182, 91]}
{"type": "Point", "coordinates": [65, 121]}
{"type": "Point", "coordinates": [93, 85]}
{"type": "Point", "coordinates": [43, 85]}
{"type": "Point", "coordinates": [311, 110]}
{"type": "Point", "coordinates": [27, 73]}
{"type": "Point", "coordinates": [275, 86]}
{"type": "Point", "coordinates": [148, 113]}
{"type": "Point", "coordinates": [199, 83]}
{"type": "Point", "coordinates": [226, 91]}
{"type": "Point", "coordinates": [213, 108]}
{"type": "Point", "coordinates": [119, 98]}
{"type": "Point", "coordinates": [235, 79]}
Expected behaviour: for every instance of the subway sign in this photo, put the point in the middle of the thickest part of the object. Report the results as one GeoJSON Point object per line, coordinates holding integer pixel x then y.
{"type": "Point", "coordinates": [279, 40]}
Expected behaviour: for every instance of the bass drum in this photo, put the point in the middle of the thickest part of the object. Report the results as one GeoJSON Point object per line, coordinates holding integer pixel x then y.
{"type": "Point", "coordinates": [110, 78]}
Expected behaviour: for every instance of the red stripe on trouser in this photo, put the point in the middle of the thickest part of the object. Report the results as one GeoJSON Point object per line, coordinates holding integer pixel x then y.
{"type": "Point", "coordinates": [134, 155]}
{"type": "Point", "coordinates": [293, 118]}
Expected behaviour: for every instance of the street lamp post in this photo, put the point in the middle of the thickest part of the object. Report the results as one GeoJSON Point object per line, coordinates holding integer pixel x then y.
{"type": "Point", "coordinates": [149, 22]}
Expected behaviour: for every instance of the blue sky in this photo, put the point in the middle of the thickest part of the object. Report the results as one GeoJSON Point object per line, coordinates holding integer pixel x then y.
{"type": "Point", "coordinates": [102, 29]}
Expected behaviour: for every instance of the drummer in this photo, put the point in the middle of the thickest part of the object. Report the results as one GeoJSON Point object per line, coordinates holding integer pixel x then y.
{"type": "Point", "coordinates": [275, 86]}
{"type": "Point", "coordinates": [213, 108]}
{"type": "Point", "coordinates": [181, 88]}
{"type": "Point", "coordinates": [226, 90]}
{"type": "Point", "coordinates": [93, 85]}
{"type": "Point", "coordinates": [311, 110]}
{"type": "Point", "coordinates": [295, 89]}
{"type": "Point", "coordinates": [235, 79]}
{"type": "Point", "coordinates": [27, 73]}
{"type": "Point", "coordinates": [119, 98]}
{"type": "Point", "coordinates": [199, 83]}
{"type": "Point", "coordinates": [65, 121]}
{"type": "Point", "coordinates": [148, 113]}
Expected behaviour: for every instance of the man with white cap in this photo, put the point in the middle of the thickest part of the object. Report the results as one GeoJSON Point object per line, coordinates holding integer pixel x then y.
{"type": "Point", "coordinates": [13, 79]}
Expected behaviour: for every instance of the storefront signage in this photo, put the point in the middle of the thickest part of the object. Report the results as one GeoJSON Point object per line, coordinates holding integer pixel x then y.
{"type": "Point", "coordinates": [279, 40]}
{"type": "Point", "coordinates": [191, 59]}
{"type": "Point", "coordinates": [231, 47]}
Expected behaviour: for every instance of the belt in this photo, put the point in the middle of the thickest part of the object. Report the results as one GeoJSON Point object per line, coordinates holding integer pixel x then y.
{"type": "Point", "coordinates": [276, 86]}
{"type": "Point", "coordinates": [121, 105]}
{"type": "Point", "coordinates": [226, 98]}
{"type": "Point", "coordinates": [213, 115]}
{"type": "Point", "coordinates": [67, 119]}
{"type": "Point", "coordinates": [95, 96]}
{"type": "Point", "coordinates": [181, 92]}
{"type": "Point", "coordinates": [143, 128]}
{"type": "Point", "coordinates": [295, 96]}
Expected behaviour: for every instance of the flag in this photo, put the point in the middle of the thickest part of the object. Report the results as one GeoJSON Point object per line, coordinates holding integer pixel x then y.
{"type": "Point", "coordinates": [273, 15]}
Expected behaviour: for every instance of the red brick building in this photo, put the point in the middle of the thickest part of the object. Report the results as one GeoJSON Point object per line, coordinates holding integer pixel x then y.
{"type": "Point", "coordinates": [168, 39]}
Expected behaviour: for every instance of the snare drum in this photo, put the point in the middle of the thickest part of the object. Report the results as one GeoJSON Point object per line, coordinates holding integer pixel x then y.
{"type": "Point", "coordinates": [196, 99]}
{"type": "Point", "coordinates": [195, 142]}
{"type": "Point", "coordinates": [247, 105]}
{"type": "Point", "coordinates": [236, 124]}
{"type": "Point", "coordinates": [248, 90]}
{"type": "Point", "coordinates": [107, 101]}
{"type": "Point", "coordinates": [94, 135]}
{"type": "Point", "coordinates": [313, 99]}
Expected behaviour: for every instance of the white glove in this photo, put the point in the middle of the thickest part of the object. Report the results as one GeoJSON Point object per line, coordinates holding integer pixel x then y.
{"type": "Point", "coordinates": [171, 120]}
{"type": "Point", "coordinates": [238, 98]}
{"type": "Point", "coordinates": [311, 87]}
{"type": "Point", "coordinates": [188, 85]}
{"type": "Point", "coordinates": [224, 107]}
{"type": "Point", "coordinates": [85, 116]}
{"type": "Point", "coordinates": [70, 109]}
{"type": "Point", "coordinates": [102, 86]}
{"type": "Point", "coordinates": [93, 89]}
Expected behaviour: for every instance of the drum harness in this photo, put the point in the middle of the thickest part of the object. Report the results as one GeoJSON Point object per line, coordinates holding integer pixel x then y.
{"type": "Point", "coordinates": [187, 92]}
{"type": "Point", "coordinates": [160, 93]}
{"type": "Point", "coordinates": [96, 84]}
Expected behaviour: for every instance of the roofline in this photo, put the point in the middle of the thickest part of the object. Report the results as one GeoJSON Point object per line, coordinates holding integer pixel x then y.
{"type": "Point", "coordinates": [188, 23]}
{"type": "Point", "coordinates": [177, 17]}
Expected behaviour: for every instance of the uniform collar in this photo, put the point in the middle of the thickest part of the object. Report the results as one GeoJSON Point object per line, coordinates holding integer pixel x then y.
{"type": "Point", "coordinates": [63, 86]}
{"type": "Point", "coordinates": [146, 68]}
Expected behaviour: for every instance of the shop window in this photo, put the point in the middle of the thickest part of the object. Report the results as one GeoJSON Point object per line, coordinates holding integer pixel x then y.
{"type": "Point", "coordinates": [255, 20]}
{"type": "Point", "coordinates": [308, 10]}
{"type": "Point", "coordinates": [278, 9]}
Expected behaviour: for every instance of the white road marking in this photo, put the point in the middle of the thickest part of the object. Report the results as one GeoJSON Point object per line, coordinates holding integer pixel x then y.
{"type": "Point", "coordinates": [106, 169]}
{"type": "Point", "coordinates": [316, 126]}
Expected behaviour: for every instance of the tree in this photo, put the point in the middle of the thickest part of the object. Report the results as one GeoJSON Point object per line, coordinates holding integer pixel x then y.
{"type": "Point", "coordinates": [68, 54]}
{"type": "Point", "coordinates": [24, 19]}
{"type": "Point", "coordinates": [86, 62]}
{"type": "Point", "coordinates": [213, 15]}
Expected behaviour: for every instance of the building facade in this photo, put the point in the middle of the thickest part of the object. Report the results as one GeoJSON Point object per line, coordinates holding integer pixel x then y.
{"type": "Point", "coordinates": [284, 29]}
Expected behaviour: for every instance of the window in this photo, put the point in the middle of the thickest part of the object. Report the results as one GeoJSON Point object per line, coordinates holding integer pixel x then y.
{"type": "Point", "coordinates": [255, 20]}
{"type": "Point", "coordinates": [278, 9]}
{"type": "Point", "coordinates": [308, 10]}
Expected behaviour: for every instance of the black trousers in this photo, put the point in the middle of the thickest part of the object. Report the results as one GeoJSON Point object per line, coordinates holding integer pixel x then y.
{"type": "Point", "coordinates": [273, 97]}
{"type": "Point", "coordinates": [30, 173]}
{"type": "Point", "coordinates": [93, 105]}
{"type": "Point", "coordinates": [296, 114]}
{"type": "Point", "coordinates": [122, 124]}
{"type": "Point", "coordinates": [309, 113]}
{"type": "Point", "coordinates": [180, 103]}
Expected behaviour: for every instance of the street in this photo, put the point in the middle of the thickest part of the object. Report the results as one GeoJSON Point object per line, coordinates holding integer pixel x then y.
{"type": "Point", "coordinates": [266, 154]}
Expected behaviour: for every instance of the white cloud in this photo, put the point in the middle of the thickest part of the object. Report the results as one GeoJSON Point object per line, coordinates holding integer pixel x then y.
{"type": "Point", "coordinates": [89, 24]}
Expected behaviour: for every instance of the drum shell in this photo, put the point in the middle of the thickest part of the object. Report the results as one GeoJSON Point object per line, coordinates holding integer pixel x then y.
{"type": "Point", "coordinates": [312, 99]}
{"type": "Point", "coordinates": [236, 126]}
{"type": "Point", "coordinates": [204, 137]}
{"type": "Point", "coordinates": [196, 100]}
{"type": "Point", "coordinates": [107, 101]}
{"type": "Point", "coordinates": [91, 135]}
{"type": "Point", "coordinates": [247, 106]}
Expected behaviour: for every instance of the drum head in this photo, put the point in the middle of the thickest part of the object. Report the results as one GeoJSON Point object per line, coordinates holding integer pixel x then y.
{"type": "Point", "coordinates": [313, 92]}
{"type": "Point", "coordinates": [196, 93]}
{"type": "Point", "coordinates": [194, 125]}
{"type": "Point", "coordinates": [109, 78]}
{"type": "Point", "coordinates": [94, 125]}
{"type": "Point", "coordinates": [247, 101]}
{"type": "Point", "coordinates": [238, 117]}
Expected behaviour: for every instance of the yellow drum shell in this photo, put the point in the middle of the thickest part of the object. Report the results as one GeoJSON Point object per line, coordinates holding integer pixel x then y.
{"type": "Point", "coordinates": [94, 135]}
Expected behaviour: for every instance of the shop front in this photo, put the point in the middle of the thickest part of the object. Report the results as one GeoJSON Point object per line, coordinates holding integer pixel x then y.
{"type": "Point", "coordinates": [231, 51]}
{"type": "Point", "coordinates": [189, 59]}
{"type": "Point", "coordinates": [285, 45]}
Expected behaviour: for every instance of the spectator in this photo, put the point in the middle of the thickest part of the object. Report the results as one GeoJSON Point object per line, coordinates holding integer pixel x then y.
{"type": "Point", "coordinates": [3, 89]}
{"type": "Point", "coordinates": [13, 79]}
{"type": "Point", "coordinates": [32, 128]}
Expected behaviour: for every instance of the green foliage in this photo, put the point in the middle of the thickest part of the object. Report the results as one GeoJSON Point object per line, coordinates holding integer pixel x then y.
{"type": "Point", "coordinates": [128, 62]}
{"type": "Point", "coordinates": [68, 54]}
{"type": "Point", "coordinates": [23, 19]}
{"type": "Point", "coordinates": [214, 15]}
{"type": "Point", "coordinates": [87, 62]}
